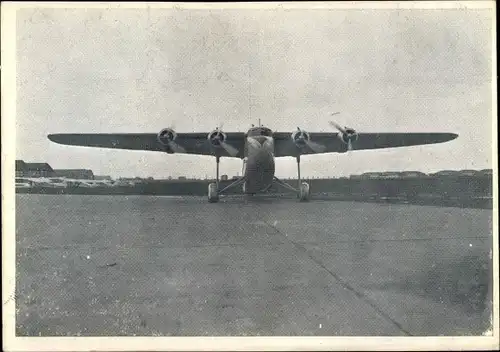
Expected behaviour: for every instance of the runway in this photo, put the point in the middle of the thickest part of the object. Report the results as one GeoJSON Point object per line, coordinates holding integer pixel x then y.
{"type": "Point", "coordinates": [171, 266]}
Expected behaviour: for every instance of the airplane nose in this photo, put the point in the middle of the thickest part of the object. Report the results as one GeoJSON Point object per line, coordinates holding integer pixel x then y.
{"type": "Point", "coordinates": [261, 139]}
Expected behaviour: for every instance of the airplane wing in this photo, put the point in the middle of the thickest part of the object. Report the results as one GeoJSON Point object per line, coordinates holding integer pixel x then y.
{"type": "Point", "coordinates": [185, 143]}
{"type": "Point", "coordinates": [324, 142]}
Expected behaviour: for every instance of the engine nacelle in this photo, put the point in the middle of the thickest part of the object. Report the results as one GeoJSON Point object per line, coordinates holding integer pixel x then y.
{"type": "Point", "coordinates": [166, 136]}
{"type": "Point", "coordinates": [350, 134]}
{"type": "Point", "coordinates": [300, 138]}
{"type": "Point", "coordinates": [216, 138]}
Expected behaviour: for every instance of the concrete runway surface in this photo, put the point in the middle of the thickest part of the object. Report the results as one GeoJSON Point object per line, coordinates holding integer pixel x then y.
{"type": "Point", "coordinates": [167, 266]}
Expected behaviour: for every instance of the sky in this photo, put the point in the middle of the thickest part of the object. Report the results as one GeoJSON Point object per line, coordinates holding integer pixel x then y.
{"type": "Point", "coordinates": [141, 70]}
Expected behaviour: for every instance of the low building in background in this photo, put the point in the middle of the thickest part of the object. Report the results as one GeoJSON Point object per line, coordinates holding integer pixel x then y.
{"type": "Point", "coordinates": [370, 175]}
{"type": "Point", "coordinates": [380, 175]}
{"type": "Point", "coordinates": [412, 174]}
{"type": "Point", "coordinates": [390, 174]}
{"type": "Point", "coordinates": [386, 175]}
{"type": "Point", "coordinates": [446, 173]}
{"type": "Point", "coordinates": [24, 169]}
{"type": "Point", "coordinates": [486, 172]}
{"type": "Point", "coordinates": [102, 178]}
{"type": "Point", "coordinates": [20, 168]}
{"type": "Point", "coordinates": [467, 172]}
{"type": "Point", "coordinates": [79, 174]}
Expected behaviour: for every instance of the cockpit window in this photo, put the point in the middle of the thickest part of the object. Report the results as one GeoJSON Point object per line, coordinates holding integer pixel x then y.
{"type": "Point", "coordinates": [260, 131]}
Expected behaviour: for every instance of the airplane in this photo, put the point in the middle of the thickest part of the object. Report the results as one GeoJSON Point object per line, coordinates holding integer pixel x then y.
{"type": "Point", "coordinates": [258, 148]}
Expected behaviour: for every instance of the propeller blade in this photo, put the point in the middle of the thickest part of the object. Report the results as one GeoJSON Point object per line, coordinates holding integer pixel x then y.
{"type": "Point", "coordinates": [337, 126]}
{"type": "Point", "coordinates": [316, 147]}
{"type": "Point", "coordinates": [229, 148]}
{"type": "Point", "coordinates": [343, 131]}
{"type": "Point", "coordinates": [172, 126]}
{"type": "Point", "coordinates": [177, 148]}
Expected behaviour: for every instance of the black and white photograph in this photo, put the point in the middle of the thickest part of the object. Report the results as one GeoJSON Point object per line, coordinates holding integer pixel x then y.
{"type": "Point", "coordinates": [249, 170]}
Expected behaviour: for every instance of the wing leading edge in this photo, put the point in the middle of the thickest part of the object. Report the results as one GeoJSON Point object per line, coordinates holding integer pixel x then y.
{"type": "Point", "coordinates": [365, 141]}
{"type": "Point", "coordinates": [192, 143]}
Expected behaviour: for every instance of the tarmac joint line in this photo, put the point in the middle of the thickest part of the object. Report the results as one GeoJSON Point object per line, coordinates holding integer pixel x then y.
{"type": "Point", "coordinates": [344, 284]}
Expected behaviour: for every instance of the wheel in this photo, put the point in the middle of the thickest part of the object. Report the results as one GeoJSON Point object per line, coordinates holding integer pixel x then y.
{"type": "Point", "coordinates": [213, 196]}
{"type": "Point", "coordinates": [304, 192]}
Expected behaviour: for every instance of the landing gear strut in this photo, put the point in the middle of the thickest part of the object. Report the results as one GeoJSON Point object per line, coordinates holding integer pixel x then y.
{"type": "Point", "coordinates": [303, 191]}
{"type": "Point", "coordinates": [213, 188]}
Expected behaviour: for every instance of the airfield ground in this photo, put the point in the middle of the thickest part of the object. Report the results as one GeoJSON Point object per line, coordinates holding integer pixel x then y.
{"type": "Point", "coordinates": [125, 265]}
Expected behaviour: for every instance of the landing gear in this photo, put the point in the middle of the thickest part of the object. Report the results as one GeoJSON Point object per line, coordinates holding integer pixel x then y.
{"type": "Point", "coordinates": [213, 195]}
{"type": "Point", "coordinates": [303, 191]}
{"type": "Point", "coordinates": [214, 190]}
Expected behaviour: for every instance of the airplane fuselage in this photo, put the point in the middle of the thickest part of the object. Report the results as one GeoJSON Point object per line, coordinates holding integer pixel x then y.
{"type": "Point", "coordinates": [258, 164]}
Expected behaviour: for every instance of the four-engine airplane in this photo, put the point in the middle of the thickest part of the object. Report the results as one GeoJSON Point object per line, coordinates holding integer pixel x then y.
{"type": "Point", "coordinates": [258, 148]}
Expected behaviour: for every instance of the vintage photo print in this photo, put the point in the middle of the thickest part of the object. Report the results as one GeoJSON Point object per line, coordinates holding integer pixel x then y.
{"type": "Point", "coordinates": [249, 176]}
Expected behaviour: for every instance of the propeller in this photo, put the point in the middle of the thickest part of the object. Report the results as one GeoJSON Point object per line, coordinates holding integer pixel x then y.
{"type": "Point", "coordinates": [219, 139]}
{"type": "Point", "coordinates": [348, 135]}
{"type": "Point", "coordinates": [315, 147]}
{"type": "Point", "coordinates": [170, 141]}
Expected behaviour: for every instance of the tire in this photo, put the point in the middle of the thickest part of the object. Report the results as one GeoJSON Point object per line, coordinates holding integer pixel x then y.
{"type": "Point", "coordinates": [304, 192]}
{"type": "Point", "coordinates": [213, 196]}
